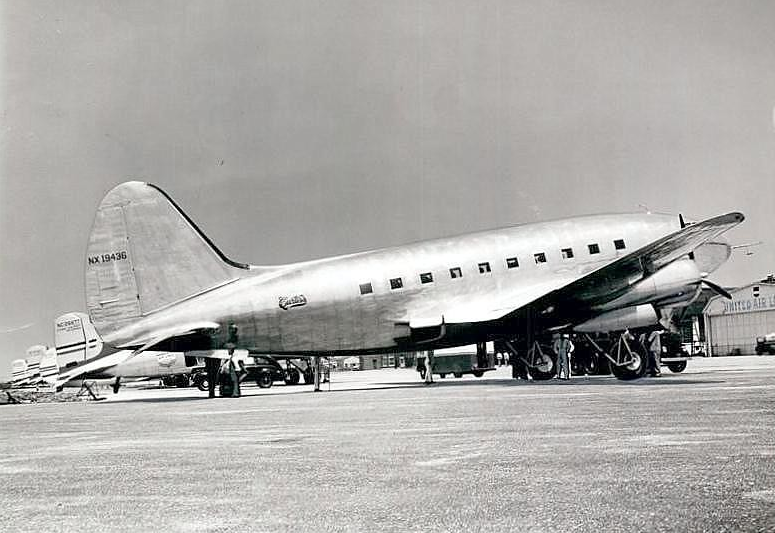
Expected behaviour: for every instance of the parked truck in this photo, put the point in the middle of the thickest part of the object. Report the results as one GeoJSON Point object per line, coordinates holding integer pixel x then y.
{"type": "Point", "coordinates": [458, 361]}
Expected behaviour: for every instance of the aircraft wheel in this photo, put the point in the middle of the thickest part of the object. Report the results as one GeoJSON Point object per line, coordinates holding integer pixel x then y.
{"type": "Point", "coordinates": [478, 373]}
{"type": "Point", "coordinates": [457, 374]}
{"type": "Point", "coordinates": [677, 367]}
{"type": "Point", "coordinates": [546, 370]}
{"type": "Point", "coordinates": [182, 381]}
{"type": "Point", "coordinates": [292, 376]}
{"type": "Point", "coordinates": [634, 370]}
{"type": "Point", "coordinates": [116, 386]}
{"type": "Point", "coordinates": [264, 380]}
{"type": "Point", "coordinates": [442, 375]}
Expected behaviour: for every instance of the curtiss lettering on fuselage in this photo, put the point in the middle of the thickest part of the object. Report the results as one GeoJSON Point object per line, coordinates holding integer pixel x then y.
{"type": "Point", "coordinates": [107, 258]}
{"type": "Point", "coordinates": [286, 302]}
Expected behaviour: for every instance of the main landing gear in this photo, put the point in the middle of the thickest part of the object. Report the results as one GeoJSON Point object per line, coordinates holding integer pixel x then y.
{"type": "Point", "coordinates": [628, 357]}
{"type": "Point", "coordinates": [539, 360]}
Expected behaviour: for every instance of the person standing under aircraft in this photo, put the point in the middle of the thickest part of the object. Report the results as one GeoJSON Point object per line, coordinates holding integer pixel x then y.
{"type": "Point", "coordinates": [655, 353]}
{"type": "Point", "coordinates": [563, 347]}
{"type": "Point", "coordinates": [429, 367]}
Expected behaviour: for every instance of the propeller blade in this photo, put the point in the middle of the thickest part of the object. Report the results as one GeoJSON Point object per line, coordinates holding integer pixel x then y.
{"type": "Point", "coordinates": [717, 289]}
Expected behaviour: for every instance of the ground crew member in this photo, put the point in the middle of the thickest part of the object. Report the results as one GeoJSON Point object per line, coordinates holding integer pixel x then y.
{"type": "Point", "coordinates": [212, 367]}
{"type": "Point", "coordinates": [429, 367]}
{"type": "Point", "coordinates": [563, 347]}
{"type": "Point", "coordinates": [655, 353]}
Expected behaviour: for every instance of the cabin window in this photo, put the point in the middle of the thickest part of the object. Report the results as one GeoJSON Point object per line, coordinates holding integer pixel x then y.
{"type": "Point", "coordinates": [540, 257]}
{"type": "Point", "coordinates": [484, 268]}
{"type": "Point", "coordinates": [366, 288]}
{"type": "Point", "coordinates": [455, 273]}
{"type": "Point", "coordinates": [427, 277]}
{"type": "Point", "coordinates": [512, 262]}
{"type": "Point", "coordinates": [593, 248]}
{"type": "Point", "coordinates": [567, 253]}
{"type": "Point", "coordinates": [619, 244]}
{"type": "Point", "coordinates": [396, 283]}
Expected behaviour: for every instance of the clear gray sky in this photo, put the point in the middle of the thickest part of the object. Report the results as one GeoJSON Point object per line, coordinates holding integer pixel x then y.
{"type": "Point", "coordinates": [295, 130]}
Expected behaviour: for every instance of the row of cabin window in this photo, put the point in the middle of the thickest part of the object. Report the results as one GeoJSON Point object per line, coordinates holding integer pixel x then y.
{"type": "Point", "coordinates": [484, 268]}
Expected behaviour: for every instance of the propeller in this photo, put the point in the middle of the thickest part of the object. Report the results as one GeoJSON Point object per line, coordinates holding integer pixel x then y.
{"type": "Point", "coordinates": [717, 289]}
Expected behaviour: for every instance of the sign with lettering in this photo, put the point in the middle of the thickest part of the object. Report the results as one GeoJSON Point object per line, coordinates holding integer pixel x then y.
{"type": "Point", "coordinates": [743, 301]}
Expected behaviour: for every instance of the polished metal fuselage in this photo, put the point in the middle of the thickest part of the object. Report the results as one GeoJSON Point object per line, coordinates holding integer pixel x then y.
{"type": "Point", "coordinates": [318, 306]}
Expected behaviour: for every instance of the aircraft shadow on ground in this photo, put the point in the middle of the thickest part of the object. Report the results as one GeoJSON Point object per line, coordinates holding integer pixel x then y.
{"type": "Point", "coordinates": [575, 383]}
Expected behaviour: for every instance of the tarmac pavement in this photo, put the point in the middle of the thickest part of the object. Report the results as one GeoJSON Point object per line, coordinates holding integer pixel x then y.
{"type": "Point", "coordinates": [382, 452]}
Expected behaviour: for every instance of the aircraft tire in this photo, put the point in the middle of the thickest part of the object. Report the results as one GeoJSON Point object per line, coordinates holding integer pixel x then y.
{"type": "Point", "coordinates": [457, 374]}
{"type": "Point", "coordinates": [635, 370]}
{"type": "Point", "coordinates": [182, 381]}
{"type": "Point", "coordinates": [442, 375]}
{"type": "Point", "coordinates": [292, 377]}
{"type": "Point", "coordinates": [677, 367]}
{"type": "Point", "coordinates": [477, 373]}
{"type": "Point", "coordinates": [549, 373]}
{"type": "Point", "coordinates": [264, 380]}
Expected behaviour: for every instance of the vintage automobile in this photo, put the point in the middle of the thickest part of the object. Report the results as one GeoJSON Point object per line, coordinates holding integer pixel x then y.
{"type": "Point", "coordinates": [765, 344]}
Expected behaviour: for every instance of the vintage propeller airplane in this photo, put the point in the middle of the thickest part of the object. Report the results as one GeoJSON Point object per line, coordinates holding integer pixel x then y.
{"type": "Point", "coordinates": [154, 281]}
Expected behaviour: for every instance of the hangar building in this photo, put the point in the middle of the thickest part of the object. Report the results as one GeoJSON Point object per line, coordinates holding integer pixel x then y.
{"type": "Point", "coordinates": [731, 326]}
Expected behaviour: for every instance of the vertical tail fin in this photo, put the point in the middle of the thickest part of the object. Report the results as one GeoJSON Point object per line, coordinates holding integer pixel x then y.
{"type": "Point", "coordinates": [49, 369]}
{"type": "Point", "coordinates": [144, 253]}
{"type": "Point", "coordinates": [75, 340]}
{"type": "Point", "coordinates": [20, 375]}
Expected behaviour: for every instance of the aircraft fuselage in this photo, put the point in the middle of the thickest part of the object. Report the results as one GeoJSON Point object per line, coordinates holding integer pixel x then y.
{"type": "Point", "coordinates": [355, 303]}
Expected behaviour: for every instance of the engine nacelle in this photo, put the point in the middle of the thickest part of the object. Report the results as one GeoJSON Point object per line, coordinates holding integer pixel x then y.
{"type": "Point", "coordinates": [639, 316]}
{"type": "Point", "coordinates": [675, 282]}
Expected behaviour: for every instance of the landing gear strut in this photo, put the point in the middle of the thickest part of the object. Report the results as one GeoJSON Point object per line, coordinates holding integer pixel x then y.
{"type": "Point", "coordinates": [117, 385]}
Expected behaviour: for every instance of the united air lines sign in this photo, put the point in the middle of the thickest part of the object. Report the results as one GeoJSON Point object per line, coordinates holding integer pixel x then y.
{"type": "Point", "coordinates": [746, 300]}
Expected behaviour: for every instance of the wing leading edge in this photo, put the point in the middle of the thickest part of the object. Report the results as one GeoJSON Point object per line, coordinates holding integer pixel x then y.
{"type": "Point", "coordinates": [566, 296]}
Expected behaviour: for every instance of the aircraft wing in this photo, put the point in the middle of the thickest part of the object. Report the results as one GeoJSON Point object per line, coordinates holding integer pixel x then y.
{"type": "Point", "coordinates": [485, 311]}
{"type": "Point", "coordinates": [97, 364]}
{"type": "Point", "coordinates": [570, 296]}
{"type": "Point", "coordinates": [167, 334]}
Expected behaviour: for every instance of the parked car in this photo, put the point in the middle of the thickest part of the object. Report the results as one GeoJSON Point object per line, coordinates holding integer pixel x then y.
{"type": "Point", "coordinates": [765, 344]}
